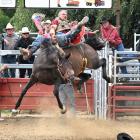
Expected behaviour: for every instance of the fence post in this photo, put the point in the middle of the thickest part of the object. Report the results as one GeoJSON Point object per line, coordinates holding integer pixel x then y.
{"type": "Point", "coordinates": [100, 87]}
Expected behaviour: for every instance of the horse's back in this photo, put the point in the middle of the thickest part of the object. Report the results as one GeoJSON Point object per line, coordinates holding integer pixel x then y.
{"type": "Point", "coordinates": [79, 54]}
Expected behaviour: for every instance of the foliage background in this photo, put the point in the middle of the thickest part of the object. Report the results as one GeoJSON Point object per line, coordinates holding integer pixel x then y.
{"type": "Point", "coordinates": [130, 17]}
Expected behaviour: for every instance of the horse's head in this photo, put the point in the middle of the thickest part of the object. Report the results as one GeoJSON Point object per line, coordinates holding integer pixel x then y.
{"type": "Point", "coordinates": [54, 58]}
{"type": "Point", "coordinates": [65, 68]}
{"type": "Point", "coordinates": [95, 42]}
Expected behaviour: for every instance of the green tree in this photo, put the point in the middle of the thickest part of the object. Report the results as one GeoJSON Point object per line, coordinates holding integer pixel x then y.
{"type": "Point", "coordinates": [4, 20]}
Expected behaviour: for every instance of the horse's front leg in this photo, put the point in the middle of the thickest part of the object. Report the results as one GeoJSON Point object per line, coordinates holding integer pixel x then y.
{"type": "Point", "coordinates": [56, 94]}
{"type": "Point", "coordinates": [28, 85]}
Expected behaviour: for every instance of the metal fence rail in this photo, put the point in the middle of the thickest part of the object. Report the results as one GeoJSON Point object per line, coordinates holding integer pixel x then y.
{"type": "Point", "coordinates": [136, 40]}
{"type": "Point", "coordinates": [101, 86]}
{"type": "Point", "coordinates": [132, 65]}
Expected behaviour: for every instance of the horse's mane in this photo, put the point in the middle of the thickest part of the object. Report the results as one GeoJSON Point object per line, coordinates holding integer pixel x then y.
{"type": "Point", "coordinates": [49, 49]}
{"type": "Point", "coordinates": [94, 42]}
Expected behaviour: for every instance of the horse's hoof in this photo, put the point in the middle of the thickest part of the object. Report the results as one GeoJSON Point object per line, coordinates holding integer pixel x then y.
{"type": "Point", "coordinates": [64, 110]}
{"type": "Point", "coordinates": [15, 112]}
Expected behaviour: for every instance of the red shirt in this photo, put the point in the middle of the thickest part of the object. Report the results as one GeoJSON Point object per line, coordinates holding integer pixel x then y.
{"type": "Point", "coordinates": [56, 21]}
{"type": "Point", "coordinates": [79, 36]}
{"type": "Point", "coordinates": [111, 34]}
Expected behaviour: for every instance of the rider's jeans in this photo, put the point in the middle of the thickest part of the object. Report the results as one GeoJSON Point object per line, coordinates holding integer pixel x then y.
{"type": "Point", "coordinates": [66, 94]}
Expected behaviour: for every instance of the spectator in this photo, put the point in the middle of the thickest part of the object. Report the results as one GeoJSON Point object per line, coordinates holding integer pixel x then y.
{"type": "Point", "coordinates": [110, 33]}
{"type": "Point", "coordinates": [62, 16]}
{"type": "Point", "coordinates": [66, 94]}
{"type": "Point", "coordinates": [9, 41]}
{"type": "Point", "coordinates": [46, 26]}
{"type": "Point", "coordinates": [24, 42]}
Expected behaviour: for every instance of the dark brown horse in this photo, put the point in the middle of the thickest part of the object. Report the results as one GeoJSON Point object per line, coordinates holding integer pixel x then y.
{"type": "Point", "coordinates": [51, 69]}
{"type": "Point", "coordinates": [87, 56]}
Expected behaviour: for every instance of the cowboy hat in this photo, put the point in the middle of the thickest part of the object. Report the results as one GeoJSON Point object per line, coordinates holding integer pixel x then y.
{"type": "Point", "coordinates": [63, 26]}
{"type": "Point", "coordinates": [9, 26]}
{"type": "Point", "coordinates": [104, 20]}
{"type": "Point", "coordinates": [25, 30]}
{"type": "Point", "coordinates": [124, 136]}
{"type": "Point", "coordinates": [46, 22]}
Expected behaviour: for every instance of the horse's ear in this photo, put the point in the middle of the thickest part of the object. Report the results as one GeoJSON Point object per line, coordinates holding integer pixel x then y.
{"type": "Point", "coordinates": [68, 55]}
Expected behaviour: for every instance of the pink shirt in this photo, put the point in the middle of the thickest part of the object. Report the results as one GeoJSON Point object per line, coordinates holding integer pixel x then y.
{"type": "Point", "coordinates": [111, 34]}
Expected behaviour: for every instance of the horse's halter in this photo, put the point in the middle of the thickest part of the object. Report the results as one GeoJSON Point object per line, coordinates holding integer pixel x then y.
{"type": "Point", "coordinates": [59, 69]}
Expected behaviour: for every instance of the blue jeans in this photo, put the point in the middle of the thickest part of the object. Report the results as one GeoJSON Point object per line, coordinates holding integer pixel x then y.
{"type": "Point", "coordinates": [9, 59]}
{"type": "Point", "coordinates": [120, 47]}
{"type": "Point", "coordinates": [122, 68]}
{"type": "Point", "coordinates": [66, 92]}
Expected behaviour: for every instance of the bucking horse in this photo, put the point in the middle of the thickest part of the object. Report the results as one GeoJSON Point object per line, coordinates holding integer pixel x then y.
{"type": "Point", "coordinates": [51, 69]}
{"type": "Point", "coordinates": [47, 68]}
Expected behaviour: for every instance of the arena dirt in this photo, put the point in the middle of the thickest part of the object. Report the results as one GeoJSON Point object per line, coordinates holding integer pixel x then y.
{"type": "Point", "coordinates": [65, 128]}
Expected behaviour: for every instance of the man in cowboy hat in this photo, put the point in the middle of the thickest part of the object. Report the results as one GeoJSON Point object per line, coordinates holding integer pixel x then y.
{"type": "Point", "coordinates": [110, 33]}
{"type": "Point", "coordinates": [46, 25]}
{"type": "Point", "coordinates": [24, 42]}
{"type": "Point", "coordinates": [9, 41]}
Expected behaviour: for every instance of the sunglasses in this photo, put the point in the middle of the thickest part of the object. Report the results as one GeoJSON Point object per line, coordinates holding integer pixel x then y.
{"type": "Point", "coordinates": [25, 33]}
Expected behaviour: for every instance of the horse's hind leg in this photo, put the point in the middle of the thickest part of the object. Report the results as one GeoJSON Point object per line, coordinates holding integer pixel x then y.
{"type": "Point", "coordinates": [28, 85]}
{"type": "Point", "coordinates": [102, 62]}
{"type": "Point", "coordinates": [83, 78]}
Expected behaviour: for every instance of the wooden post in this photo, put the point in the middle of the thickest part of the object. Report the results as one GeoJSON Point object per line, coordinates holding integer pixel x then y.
{"type": "Point", "coordinates": [117, 11]}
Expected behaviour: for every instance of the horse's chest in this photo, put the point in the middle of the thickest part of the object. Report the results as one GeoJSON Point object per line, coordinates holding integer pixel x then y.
{"type": "Point", "coordinates": [47, 76]}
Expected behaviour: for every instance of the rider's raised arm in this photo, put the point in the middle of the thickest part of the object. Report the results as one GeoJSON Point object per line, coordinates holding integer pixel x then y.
{"type": "Point", "coordinates": [37, 19]}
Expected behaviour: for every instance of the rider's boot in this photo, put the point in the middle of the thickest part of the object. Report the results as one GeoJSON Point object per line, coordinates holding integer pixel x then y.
{"type": "Point", "coordinates": [83, 21]}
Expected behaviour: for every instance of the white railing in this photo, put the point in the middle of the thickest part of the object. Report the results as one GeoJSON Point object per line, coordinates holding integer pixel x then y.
{"type": "Point", "coordinates": [132, 65]}
{"type": "Point", "coordinates": [136, 40]}
{"type": "Point", "coordinates": [15, 66]}
{"type": "Point", "coordinates": [101, 86]}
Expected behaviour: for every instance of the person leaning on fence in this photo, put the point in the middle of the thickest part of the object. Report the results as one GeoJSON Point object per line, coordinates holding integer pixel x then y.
{"type": "Point", "coordinates": [8, 43]}
{"type": "Point", "coordinates": [110, 33]}
{"type": "Point", "coordinates": [24, 42]}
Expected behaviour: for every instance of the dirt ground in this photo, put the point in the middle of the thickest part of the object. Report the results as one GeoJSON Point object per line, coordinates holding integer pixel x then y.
{"type": "Point", "coordinates": [58, 127]}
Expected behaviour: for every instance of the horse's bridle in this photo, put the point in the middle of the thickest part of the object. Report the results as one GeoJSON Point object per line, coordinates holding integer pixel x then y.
{"type": "Point", "coordinates": [59, 69]}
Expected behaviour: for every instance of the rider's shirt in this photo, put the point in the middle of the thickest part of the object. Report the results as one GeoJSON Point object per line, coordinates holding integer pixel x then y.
{"type": "Point", "coordinates": [79, 36]}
